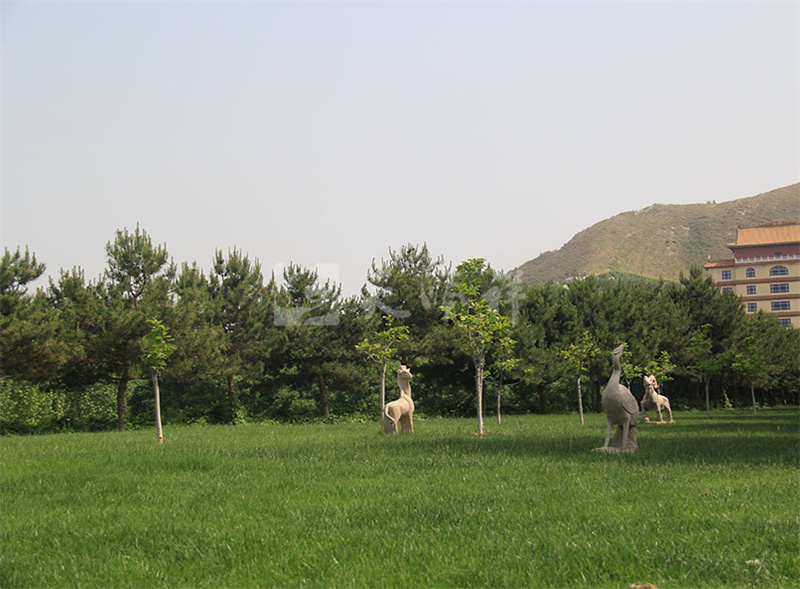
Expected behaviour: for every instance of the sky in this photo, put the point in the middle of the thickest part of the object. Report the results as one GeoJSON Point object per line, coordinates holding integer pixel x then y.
{"type": "Point", "coordinates": [329, 133]}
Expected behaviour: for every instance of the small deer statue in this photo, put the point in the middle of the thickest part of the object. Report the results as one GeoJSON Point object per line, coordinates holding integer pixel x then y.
{"type": "Point", "coordinates": [401, 410]}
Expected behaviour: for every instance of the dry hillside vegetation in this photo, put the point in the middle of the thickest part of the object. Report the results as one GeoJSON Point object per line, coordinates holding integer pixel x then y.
{"type": "Point", "coordinates": [661, 241]}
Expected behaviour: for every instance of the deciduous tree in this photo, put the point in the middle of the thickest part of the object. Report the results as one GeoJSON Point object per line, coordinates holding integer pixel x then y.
{"type": "Point", "coordinates": [578, 356]}
{"type": "Point", "coordinates": [156, 348]}
{"type": "Point", "coordinates": [381, 347]}
{"type": "Point", "coordinates": [484, 328]}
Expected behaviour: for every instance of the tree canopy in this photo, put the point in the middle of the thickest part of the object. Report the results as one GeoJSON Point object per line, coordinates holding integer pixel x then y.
{"type": "Point", "coordinates": [294, 348]}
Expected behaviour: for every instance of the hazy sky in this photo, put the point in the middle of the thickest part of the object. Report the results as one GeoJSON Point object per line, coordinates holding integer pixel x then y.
{"type": "Point", "coordinates": [329, 132]}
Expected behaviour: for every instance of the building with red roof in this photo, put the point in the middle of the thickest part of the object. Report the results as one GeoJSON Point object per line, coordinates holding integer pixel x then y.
{"type": "Point", "coordinates": [764, 270]}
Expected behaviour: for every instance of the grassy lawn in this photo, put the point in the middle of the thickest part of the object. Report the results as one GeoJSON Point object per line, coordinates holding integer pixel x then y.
{"type": "Point", "coordinates": [704, 503]}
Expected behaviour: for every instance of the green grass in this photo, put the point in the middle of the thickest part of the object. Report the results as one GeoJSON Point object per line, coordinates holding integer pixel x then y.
{"type": "Point", "coordinates": [530, 505]}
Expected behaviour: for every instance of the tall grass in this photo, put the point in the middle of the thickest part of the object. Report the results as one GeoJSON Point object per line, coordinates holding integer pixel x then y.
{"type": "Point", "coordinates": [704, 503]}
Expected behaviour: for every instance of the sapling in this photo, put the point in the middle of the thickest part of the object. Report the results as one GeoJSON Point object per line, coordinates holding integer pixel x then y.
{"type": "Point", "coordinates": [485, 328]}
{"type": "Point", "coordinates": [381, 349]}
{"type": "Point", "coordinates": [578, 356]}
{"type": "Point", "coordinates": [157, 347]}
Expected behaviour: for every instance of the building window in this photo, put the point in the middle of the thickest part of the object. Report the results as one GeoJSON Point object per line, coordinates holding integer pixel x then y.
{"type": "Point", "coordinates": [726, 275]}
{"type": "Point", "coordinates": [778, 271]}
{"type": "Point", "coordinates": [752, 307]}
{"type": "Point", "coordinates": [751, 289]}
{"type": "Point", "coordinates": [727, 289]}
{"type": "Point", "coordinates": [781, 306]}
{"type": "Point", "coordinates": [778, 288]}
{"type": "Point", "coordinates": [750, 273]}
{"type": "Point", "coordinates": [785, 322]}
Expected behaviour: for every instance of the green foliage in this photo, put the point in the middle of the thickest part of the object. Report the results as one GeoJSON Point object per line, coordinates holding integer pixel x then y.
{"type": "Point", "coordinates": [661, 368]}
{"type": "Point", "coordinates": [133, 262]}
{"type": "Point", "coordinates": [484, 327]}
{"type": "Point", "coordinates": [630, 370]}
{"type": "Point", "coordinates": [486, 330]}
{"type": "Point", "coordinates": [380, 347]}
{"type": "Point", "coordinates": [242, 346]}
{"type": "Point", "coordinates": [30, 408]}
{"type": "Point", "coordinates": [16, 271]}
{"type": "Point", "coordinates": [580, 353]}
{"type": "Point", "coordinates": [157, 345]}
{"type": "Point", "coordinates": [33, 347]}
{"type": "Point", "coordinates": [410, 286]}
{"type": "Point", "coordinates": [289, 405]}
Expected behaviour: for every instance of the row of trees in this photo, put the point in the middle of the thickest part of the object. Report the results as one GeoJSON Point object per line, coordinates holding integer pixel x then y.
{"type": "Point", "coordinates": [292, 347]}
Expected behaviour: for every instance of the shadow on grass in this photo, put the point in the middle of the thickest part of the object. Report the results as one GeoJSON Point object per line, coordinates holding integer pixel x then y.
{"type": "Point", "coordinates": [766, 438]}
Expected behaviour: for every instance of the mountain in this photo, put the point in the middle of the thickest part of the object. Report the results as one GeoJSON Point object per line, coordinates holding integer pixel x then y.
{"type": "Point", "coordinates": [660, 241]}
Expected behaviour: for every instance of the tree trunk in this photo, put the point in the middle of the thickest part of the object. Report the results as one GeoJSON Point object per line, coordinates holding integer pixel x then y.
{"type": "Point", "coordinates": [231, 391]}
{"type": "Point", "coordinates": [383, 387]}
{"type": "Point", "coordinates": [598, 396]}
{"type": "Point", "coordinates": [479, 391]}
{"type": "Point", "coordinates": [580, 400]}
{"type": "Point", "coordinates": [157, 394]}
{"type": "Point", "coordinates": [122, 389]}
{"type": "Point", "coordinates": [542, 398]}
{"type": "Point", "coordinates": [323, 395]}
{"type": "Point", "coordinates": [753, 395]}
{"type": "Point", "coordinates": [499, 394]}
{"type": "Point", "coordinates": [708, 398]}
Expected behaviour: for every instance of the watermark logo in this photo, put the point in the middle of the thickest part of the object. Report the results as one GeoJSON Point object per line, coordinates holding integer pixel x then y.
{"type": "Point", "coordinates": [309, 302]}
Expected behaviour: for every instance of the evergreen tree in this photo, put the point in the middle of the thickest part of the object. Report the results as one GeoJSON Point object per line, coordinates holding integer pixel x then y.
{"type": "Point", "coordinates": [545, 328]}
{"type": "Point", "coordinates": [239, 305]}
{"type": "Point", "coordinates": [309, 311]}
{"type": "Point", "coordinates": [33, 344]}
{"type": "Point", "coordinates": [410, 286]}
{"type": "Point", "coordinates": [135, 287]}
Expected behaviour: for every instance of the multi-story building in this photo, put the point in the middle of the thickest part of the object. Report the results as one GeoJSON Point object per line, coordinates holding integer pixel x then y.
{"type": "Point", "coordinates": [764, 271]}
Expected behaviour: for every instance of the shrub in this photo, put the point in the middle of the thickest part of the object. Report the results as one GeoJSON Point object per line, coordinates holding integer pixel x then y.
{"type": "Point", "coordinates": [27, 408]}
{"type": "Point", "coordinates": [289, 405]}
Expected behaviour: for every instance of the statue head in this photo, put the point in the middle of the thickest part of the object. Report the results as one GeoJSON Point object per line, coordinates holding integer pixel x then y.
{"type": "Point", "coordinates": [650, 383]}
{"type": "Point", "coordinates": [404, 373]}
{"type": "Point", "coordinates": [619, 349]}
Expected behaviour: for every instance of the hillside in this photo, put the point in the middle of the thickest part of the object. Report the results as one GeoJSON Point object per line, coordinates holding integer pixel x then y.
{"type": "Point", "coordinates": [660, 241]}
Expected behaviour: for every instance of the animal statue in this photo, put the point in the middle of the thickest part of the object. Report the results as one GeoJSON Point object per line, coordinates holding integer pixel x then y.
{"type": "Point", "coordinates": [402, 409]}
{"type": "Point", "coordinates": [652, 400]}
{"type": "Point", "coordinates": [621, 410]}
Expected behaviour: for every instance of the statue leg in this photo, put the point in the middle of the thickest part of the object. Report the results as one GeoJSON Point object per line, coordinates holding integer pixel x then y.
{"type": "Point", "coordinates": [660, 416]}
{"type": "Point", "coordinates": [625, 427]}
{"type": "Point", "coordinates": [633, 445]}
{"type": "Point", "coordinates": [405, 424]}
{"type": "Point", "coordinates": [609, 427]}
{"type": "Point", "coordinates": [389, 423]}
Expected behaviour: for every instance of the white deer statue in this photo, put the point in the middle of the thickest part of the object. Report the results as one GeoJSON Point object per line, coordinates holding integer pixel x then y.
{"type": "Point", "coordinates": [402, 409]}
{"type": "Point", "coordinates": [652, 400]}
